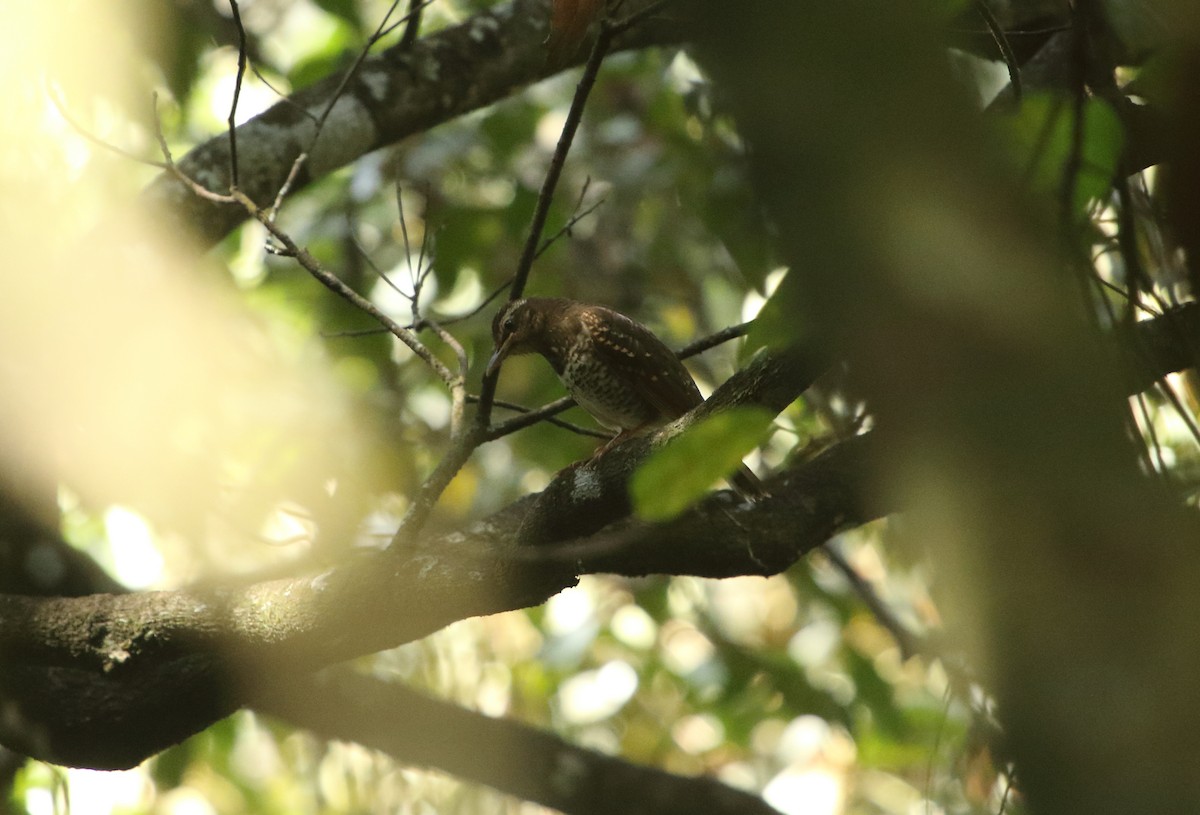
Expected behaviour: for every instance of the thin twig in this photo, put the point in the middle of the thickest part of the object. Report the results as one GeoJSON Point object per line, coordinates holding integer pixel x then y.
{"type": "Point", "coordinates": [288, 183]}
{"type": "Point", "coordinates": [351, 333]}
{"type": "Point", "coordinates": [1153, 442]}
{"type": "Point", "coordinates": [1001, 40]}
{"type": "Point", "coordinates": [382, 275]}
{"type": "Point", "coordinates": [554, 420]}
{"type": "Point", "coordinates": [713, 340]}
{"type": "Point", "coordinates": [619, 27]}
{"type": "Point", "coordinates": [283, 97]}
{"type": "Point", "coordinates": [499, 290]}
{"type": "Point", "coordinates": [288, 248]}
{"type": "Point", "coordinates": [567, 227]}
{"type": "Point", "coordinates": [414, 8]}
{"type": "Point", "coordinates": [425, 250]}
{"type": "Point", "coordinates": [93, 138]}
{"type": "Point", "coordinates": [509, 426]}
{"type": "Point", "coordinates": [414, 279]}
{"type": "Point", "coordinates": [910, 643]}
{"type": "Point", "coordinates": [409, 37]}
{"type": "Point", "coordinates": [1168, 392]}
{"type": "Point", "coordinates": [1070, 179]}
{"type": "Point", "coordinates": [1009, 776]}
{"type": "Point", "coordinates": [608, 30]}
{"type": "Point", "coordinates": [171, 167]}
{"type": "Point", "coordinates": [558, 161]}
{"type": "Point", "coordinates": [458, 389]}
{"type": "Point", "coordinates": [237, 93]}
{"type": "Point", "coordinates": [380, 32]}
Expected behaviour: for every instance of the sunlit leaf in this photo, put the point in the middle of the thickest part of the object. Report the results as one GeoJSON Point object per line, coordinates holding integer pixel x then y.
{"type": "Point", "coordinates": [672, 478]}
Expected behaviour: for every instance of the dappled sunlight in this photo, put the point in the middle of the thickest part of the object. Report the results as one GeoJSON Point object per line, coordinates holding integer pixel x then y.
{"type": "Point", "coordinates": [141, 381]}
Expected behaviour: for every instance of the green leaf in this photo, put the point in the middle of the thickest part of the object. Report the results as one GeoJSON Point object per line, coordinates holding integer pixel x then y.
{"type": "Point", "coordinates": [672, 478]}
{"type": "Point", "coordinates": [1042, 137]}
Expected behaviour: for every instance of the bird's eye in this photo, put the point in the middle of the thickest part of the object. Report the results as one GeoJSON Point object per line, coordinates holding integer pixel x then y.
{"type": "Point", "coordinates": [510, 324]}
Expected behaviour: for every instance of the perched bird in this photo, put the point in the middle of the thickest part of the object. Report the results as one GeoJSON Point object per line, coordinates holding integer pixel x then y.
{"type": "Point", "coordinates": [614, 367]}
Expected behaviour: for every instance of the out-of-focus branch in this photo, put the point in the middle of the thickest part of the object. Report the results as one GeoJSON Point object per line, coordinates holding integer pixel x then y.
{"type": "Point", "coordinates": [511, 757]}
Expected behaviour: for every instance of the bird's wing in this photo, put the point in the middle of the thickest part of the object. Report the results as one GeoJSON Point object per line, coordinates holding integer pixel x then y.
{"type": "Point", "coordinates": [644, 362]}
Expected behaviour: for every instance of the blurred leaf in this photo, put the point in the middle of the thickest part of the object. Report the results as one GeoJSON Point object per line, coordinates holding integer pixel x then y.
{"type": "Point", "coordinates": [672, 478]}
{"type": "Point", "coordinates": [344, 9]}
{"type": "Point", "coordinates": [1042, 136]}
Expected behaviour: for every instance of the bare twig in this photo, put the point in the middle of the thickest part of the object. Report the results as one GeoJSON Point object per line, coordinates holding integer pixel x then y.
{"type": "Point", "coordinates": [578, 216]}
{"type": "Point", "coordinates": [458, 389]}
{"type": "Point", "coordinates": [380, 32]}
{"type": "Point", "coordinates": [910, 643]}
{"type": "Point", "coordinates": [414, 24]}
{"type": "Point", "coordinates": [546, 196]}
{"type": "Point", "coordinates": [171, 167]}
{"type": "Point", "coordinates": [509, 426]}
{"type": "Point", "coordinates": [1079, 98]}
{"type": "Point", "coordinates": [351, 333]}
{"type": "Point", "coordinates": [283, 97]}
{"type": "Point", "coordinates": [413, 9]}
{"type": "Point", "coordinates": [237, 93]}
{"type": "Point", "coordinates": [288, 183]}
{"type": "Point", "coordinates": [1001, 39]}
{"type": "Point", "coordinates": [92, 137]}
{"type": "Point", "coordinates": [619, 27]}
{"type": "Point", "coordinates": [288, 248]}
{"type": "Point", "coordinates": [380, 273]}
{"type": "Point", "coordinates": [554, 420]}
{"type": "Point", "coordinates": [608, 30]}
{"type": "Point", "coordinates": [424, 252]}
{"type": "Point", "coordinates": [713, 340]}
{"type": "Point", "coordinates": [499, 290]}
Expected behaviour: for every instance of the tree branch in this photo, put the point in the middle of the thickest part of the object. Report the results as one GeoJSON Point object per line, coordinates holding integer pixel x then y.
{"type": "Point", "coordinates": [506, 755]}
{"type": "Point", "coordinates": [107, 680]}
{"type": "Point", "coordinates": [403, 90]}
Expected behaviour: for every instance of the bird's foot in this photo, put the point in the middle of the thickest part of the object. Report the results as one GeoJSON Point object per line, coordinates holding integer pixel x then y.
{"type": "Point", "coordinates": [617, 439]}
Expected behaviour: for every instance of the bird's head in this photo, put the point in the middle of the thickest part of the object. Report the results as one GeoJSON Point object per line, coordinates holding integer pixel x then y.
{"type": "Point", "coordinates": [516, 329]}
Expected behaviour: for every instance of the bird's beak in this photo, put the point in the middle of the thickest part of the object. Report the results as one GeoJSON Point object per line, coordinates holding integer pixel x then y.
{"type": "Point", "coordinates": [498, 357]}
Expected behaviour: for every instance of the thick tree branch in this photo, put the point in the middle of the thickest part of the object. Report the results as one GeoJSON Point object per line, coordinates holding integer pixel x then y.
{"type": "Point", "coordinates": [107, 680]}
{"type": "Point", "coordinates": [98, 681]}
{"type": "Point", "coordinates": [508, 756]}
{"type": "Point", "coordinates": [403, 90]}
{"type": "Point", "coordinates": [74, 669]}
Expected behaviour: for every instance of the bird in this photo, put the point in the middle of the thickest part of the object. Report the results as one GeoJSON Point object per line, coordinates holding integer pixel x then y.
{"type": "Point", "coordinates": [615, 368]}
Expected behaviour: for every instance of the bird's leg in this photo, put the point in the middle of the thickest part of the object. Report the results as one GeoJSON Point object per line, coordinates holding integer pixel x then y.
{"type": "Point", "coordinates": [617, 439]}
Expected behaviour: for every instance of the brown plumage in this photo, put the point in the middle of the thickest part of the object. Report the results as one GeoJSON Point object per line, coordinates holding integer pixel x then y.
{"type": "Point", "coordinates": [614, 367]}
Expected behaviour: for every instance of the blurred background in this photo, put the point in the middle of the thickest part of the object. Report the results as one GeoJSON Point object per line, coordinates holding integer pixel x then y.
{"type": "Point", "coordinates": [186, 415]}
